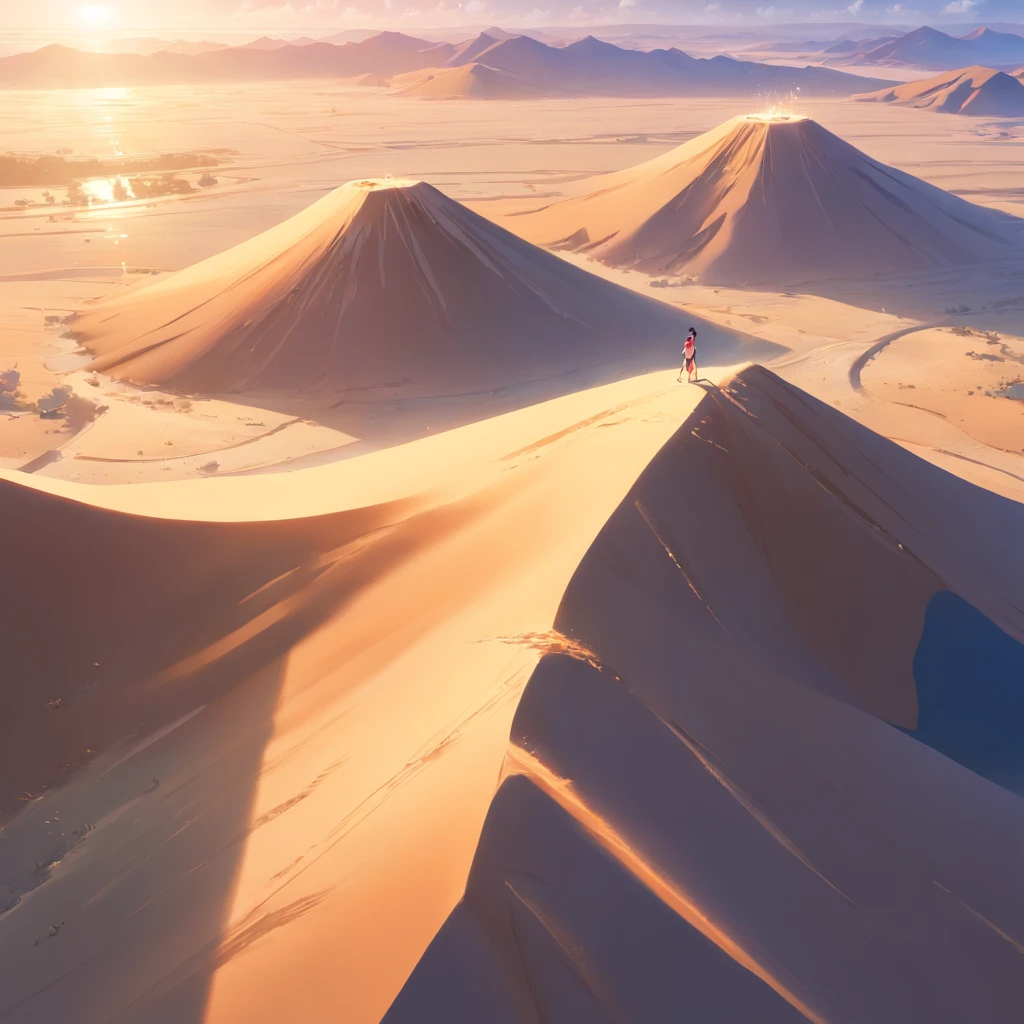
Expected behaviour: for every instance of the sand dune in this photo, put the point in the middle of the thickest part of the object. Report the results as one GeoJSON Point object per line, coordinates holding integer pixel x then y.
{"type": "Point", "coordinates": [979, 91]}
{"type": "Point", "coordinates": [760, 771]}
{"type": "Point", "coordinates": [750, 780]}
{"type": "Point", "coordinates": [768, 199]}
{"type": "Point", "coordinates": [381, 282]}
{"type": "Point", "coordinates": [467, 81]}
{"type": "Point", "coordinates": [369, 79]}
{"type": "Point", "coordinates": [269, 712]}
{"type": "Point", "coordinates": [760, 668]}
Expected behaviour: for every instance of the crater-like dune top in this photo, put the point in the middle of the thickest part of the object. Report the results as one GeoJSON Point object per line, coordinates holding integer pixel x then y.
{"type": "Point", "coordinates": [766, 199]}
{"type": "Point", "coordinates": [379, 282]}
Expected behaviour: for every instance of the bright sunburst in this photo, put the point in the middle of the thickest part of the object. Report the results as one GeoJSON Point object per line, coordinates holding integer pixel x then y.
{"type": "Point", "coordinates": [95, 15]}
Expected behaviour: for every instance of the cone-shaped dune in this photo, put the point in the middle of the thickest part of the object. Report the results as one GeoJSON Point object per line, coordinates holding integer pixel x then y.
{"type": "Point", "coordinates": [647, 703]}
{"type": "Point", "coordinates": [751, 781]}
{"type": "Point", "coordinates": [766, 199]}
{"type": "Point", "coordinates": [381, 281]}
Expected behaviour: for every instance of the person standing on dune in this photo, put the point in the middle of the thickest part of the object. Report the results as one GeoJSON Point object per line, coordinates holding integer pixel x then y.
{"type": "Point", "coordinates": [689, 357]}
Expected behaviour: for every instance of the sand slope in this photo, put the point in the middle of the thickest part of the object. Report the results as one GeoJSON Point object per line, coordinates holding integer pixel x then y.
{"type": "Point", "coordinates": [467, 81]}
{"type": "Point", "coordinates": [260, 719]}
{"type": "Point", "coordinates": [756, 776]}
{"type": "Point", "coordinates": [380, 282]}
{"type": "Point", "coordinates": [769, 200]}
{"type": "Point", "coordinates": [979, 91]}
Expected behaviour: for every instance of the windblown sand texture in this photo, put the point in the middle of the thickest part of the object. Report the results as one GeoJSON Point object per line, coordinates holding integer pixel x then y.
{"type": "Point", "coordinates": [768, 199]}
{"type": "Point", "coordinates": [380, 282]}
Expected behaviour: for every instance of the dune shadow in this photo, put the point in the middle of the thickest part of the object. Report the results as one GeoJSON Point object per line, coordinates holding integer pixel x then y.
{"type": "Point", "coordinates": [707, 784]}
{"type": "Point", "coordinates": [969, 676]}
{"type": "Point", "coordinates": [144, 660]}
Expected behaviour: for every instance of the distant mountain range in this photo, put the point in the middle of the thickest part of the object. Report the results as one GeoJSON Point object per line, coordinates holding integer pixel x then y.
{"type": "Point", "coordinates": [61, 67]}
{"type": "Point", "coordinates": [592, 66]}
{"type": "Point", "coordinates": [268, 43]}
{"type": "Point", "coordinates": [929, 48]}
{"type": "Point", "coordinates": [587, 66]}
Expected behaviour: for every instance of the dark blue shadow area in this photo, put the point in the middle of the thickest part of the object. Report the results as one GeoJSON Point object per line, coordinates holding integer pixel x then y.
{"type": "Point", "coordinates": [970, 691]}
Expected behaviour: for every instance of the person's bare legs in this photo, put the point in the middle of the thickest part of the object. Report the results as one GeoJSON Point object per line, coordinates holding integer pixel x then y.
{"type": "Point", "coordinates": [692, 370]}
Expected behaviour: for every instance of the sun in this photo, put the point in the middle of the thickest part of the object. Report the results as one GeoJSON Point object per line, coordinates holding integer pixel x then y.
{"type": "Point", "coordinates": [95, 15]}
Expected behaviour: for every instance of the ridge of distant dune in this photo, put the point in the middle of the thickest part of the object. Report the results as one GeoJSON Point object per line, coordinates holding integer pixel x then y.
{"type": "Point", "coordinates": [981, 92]}
{"type": "Point", "coordinates": [734, 752]}
{"type": "Point", "coordinates": [381, 282]}
{"type": "Point", "coordinates": [766, 198]}
{"type": "Point", "coordinates": [466, 81]}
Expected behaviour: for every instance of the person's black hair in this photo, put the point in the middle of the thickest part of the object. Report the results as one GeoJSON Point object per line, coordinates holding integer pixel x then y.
{"type": "Point", "coordinates": [693, 331]}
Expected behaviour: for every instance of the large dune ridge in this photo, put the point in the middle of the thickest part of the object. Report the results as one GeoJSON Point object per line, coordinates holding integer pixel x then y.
{"type": "Point", "coordinates": [381, 282]}
{"type": "Point", "coordinates": [770, 768]}
{"type": "Point", "coordinates": [278, 708]}
{"type": "Point", "coordinates": [774, 730]}
{"type": "Point", "coordinates": [978, 91]}
{"type": "Point", "coordinates": [769, 199]}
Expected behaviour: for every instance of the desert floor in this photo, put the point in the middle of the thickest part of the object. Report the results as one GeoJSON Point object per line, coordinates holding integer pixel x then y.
{"type": "Point", "coordinates": [277, 824]}
{"type": "Point", "coordinates": [286, 145]}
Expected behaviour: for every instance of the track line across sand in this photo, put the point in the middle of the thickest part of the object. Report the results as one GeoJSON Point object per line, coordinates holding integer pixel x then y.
{"type": "Point", "coordinates": [876, 347]}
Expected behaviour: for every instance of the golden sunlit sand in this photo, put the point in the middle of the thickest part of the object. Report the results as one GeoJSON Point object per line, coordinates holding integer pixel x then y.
{"type": "Point", "coordinates": [390, 635]}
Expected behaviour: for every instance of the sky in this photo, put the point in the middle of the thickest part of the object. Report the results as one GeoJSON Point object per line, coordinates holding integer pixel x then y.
{"type": "Point", "coordinates": [193, 16]}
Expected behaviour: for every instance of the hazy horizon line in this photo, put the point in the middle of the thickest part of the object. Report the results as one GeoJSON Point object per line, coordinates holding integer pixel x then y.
{"type": "Point", "coordinates": [406, 29]}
